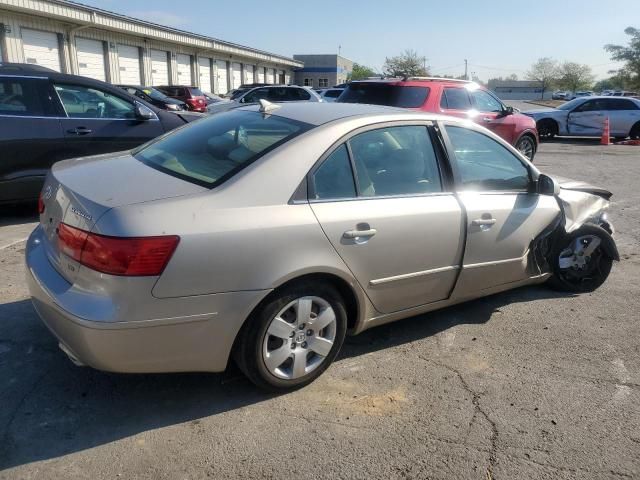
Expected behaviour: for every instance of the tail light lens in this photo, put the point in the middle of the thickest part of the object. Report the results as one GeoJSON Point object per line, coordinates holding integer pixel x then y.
{"type": "Point", "coordinates": [40, 204]}
{"type": "Point", "coordinates": [127, 256]}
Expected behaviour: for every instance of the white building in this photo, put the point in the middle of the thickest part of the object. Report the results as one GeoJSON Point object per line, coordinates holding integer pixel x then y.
{"type": "Point", "coordinates": [73, 38]}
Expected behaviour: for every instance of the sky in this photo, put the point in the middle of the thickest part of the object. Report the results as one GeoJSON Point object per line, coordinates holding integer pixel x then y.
{"type": "Point", "coordinates": [497, 37]}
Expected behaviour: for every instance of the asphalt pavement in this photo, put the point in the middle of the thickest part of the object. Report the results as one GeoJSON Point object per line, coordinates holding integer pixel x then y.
{"type": "Point", "coordinates": [527, 384]}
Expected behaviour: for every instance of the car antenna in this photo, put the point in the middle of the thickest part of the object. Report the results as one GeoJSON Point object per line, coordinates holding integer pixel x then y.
{"type": "Point", "coordinates": [266, 106]}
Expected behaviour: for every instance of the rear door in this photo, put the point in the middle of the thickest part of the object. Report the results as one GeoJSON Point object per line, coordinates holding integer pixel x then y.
{"type": "Point", "coordinates": [503, 217]}
{"type": "Point", "coordinates": [99, 121]}
{"type": "Point", "coordinates": [587, 119]}
{"type": "Point", "coordinates": [623, 115]}
{"type": "Point", "coordinates": [30, 136]}
{"type": "Point", "coordinates": [397, 227]}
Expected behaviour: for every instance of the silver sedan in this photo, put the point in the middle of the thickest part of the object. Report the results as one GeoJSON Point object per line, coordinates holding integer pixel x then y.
{"type": "Point", "coordinates": [585, 116]}
{"type": "Point", "coordinates": [267, 233]}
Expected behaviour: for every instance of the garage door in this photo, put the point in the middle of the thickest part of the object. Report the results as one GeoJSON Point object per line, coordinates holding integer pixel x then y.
{"type": "Point", "coordinates": [260, 78]}
{"type": "Point", "coordinates": [129, 65]}
{"type": "Point", "coordinates": [90, 55]}
{"type": "Point", "coordinates": [183, 67]}
{"type": "Point", "coordinates": [222, 77]}
{"type": "Point", "coordinates": [41, 48]}
{"type": "Point", "coordinates": [248, 73]}
{"type": "Point", "coordinates": [204, 65]}
{"type": "Point", "coordinates": [236, 79]}
{"type": "Point", "coordinates": [159, 68]}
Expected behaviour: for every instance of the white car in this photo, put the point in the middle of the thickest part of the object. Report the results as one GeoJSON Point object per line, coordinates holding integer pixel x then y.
{"type": "Point", "coordinates": [330, 94]}
{"type": "Point", "coordinates": [271, 93]}
{"type": "Point", "coordinates": [585, 117]}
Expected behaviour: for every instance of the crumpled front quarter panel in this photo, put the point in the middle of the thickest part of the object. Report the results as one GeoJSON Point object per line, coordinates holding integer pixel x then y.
{"type": "Point", "coordinates": [580, 208]}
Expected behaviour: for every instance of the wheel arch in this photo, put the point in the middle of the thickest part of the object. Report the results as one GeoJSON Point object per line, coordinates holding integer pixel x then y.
{"type": "Point", "coordinates": [634, 127]}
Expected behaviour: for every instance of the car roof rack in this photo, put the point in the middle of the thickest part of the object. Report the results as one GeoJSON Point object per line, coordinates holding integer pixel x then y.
{"type": "Point", "coordinates": [436, 79]}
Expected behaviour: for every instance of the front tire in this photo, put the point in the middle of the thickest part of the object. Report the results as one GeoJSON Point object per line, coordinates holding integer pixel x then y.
{"type": "Point", "coordinates": [526, 145]}
{"type": "Point", "coordinates": [547, 129]}
{"type": "Point", "coordinates": [580, 262]}
{"type": "Point", "coordinates": [293, 337]}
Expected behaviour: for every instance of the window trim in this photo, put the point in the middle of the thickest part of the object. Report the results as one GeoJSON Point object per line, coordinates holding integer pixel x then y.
{"type": "Point", "coordinates": [307, 82]}
{"type": "Point", "coordinates": [457, 180]}
{"type": "Point", "coordinates": [321, 80]}
{"type": "Point", "coordinates": [442, 163]}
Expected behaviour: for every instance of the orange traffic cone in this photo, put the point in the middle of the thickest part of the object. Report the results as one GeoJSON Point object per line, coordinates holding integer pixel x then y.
{"type": "Point", "coordinates": [604, 140]}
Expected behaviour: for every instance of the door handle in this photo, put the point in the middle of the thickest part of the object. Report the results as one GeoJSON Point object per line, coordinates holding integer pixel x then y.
{"type": "Point", "coordinates": [360, 233]}
{"type": "Point", "coordinates": [487, 119]}
{"type": "Point", "coordinates": [79, 130]}
{"type": "Point", "coordinates": [483, 221]}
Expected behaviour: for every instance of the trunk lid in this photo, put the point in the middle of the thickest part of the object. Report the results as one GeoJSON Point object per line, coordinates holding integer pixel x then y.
{"type": "Point", "coordinates": [79, 191]}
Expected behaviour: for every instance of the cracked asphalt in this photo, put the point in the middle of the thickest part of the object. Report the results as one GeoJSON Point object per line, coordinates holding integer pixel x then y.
{"type": "Point", "coordinates": [525, 384]}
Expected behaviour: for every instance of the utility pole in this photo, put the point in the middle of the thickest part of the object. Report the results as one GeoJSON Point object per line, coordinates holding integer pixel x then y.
{"type": "Point", "coordinates": [339, 49]}
{"type": "Point", "coordinates": [466, 75]}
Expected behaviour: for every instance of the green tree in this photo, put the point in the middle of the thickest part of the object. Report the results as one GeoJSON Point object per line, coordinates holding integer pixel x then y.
{"type": "Point", "coordinates": [575, 76]}
{"type": "Point", "coordinates": [408, 64]}
{"type": "Point", "coordinates": [611, 83]}
{"type": "Point", "coordinates": [360, 72]}
{"type": "Point", "coordinates": [630, 55]}
{"type": "Point", "coordinates": [545, 70]}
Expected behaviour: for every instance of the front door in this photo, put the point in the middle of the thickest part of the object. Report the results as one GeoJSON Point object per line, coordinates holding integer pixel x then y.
{"type": "Point", "coordinates": [491, 114]}
{"type": "Point", "coordinates": [503, 217]}
{"type": "Point", "coordinates": [587, 119]}
{"type": "Point", "coordinates": [398, 230]}
{"type": "Point", "coordinates": [100, 122]}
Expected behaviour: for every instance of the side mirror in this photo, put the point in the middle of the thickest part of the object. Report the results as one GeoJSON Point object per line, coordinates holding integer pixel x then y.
{"type": "Point", "coordinates": [508, 110]}
{"type": "Point", "coordinates": [143, 112]}
{"type": "Point", "coordinates": [547, 185]}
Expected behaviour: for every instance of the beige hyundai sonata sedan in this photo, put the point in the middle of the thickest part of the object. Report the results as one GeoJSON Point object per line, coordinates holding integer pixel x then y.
{"type": "Point", "coordinates": [267, 233]}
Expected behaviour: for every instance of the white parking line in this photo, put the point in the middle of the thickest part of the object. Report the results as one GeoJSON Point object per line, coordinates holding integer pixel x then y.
{"type": "Point", "coordinates": [14, 243]}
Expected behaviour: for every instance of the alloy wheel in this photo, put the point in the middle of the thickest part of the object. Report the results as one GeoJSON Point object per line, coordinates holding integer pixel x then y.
{"type": "Point", "coordinates": [579, 262]}
{"type": "Point", "coordinates": [525, 147]}
{"type": "Point", "coordinates": [299, 338]}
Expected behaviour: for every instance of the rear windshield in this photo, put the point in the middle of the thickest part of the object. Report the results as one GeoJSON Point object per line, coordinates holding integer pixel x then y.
{"type": "Point", "coordinates": [383, 94]}
{"type": "Point", "coordinates": [211, 150]}
{"type": "Point", "coordinates": [196, 92]}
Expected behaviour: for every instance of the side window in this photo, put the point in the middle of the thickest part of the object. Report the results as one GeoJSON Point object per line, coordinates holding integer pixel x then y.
{"type": "Point", "coordinates": [294, 94]}
{"type": "Point", "coordinates": [620, 104]}
{"type": "Point", "coordinates": [395, 161]}
{"type": "Point", "coordinates": [21, 97]}
{"type": "Point", "coordinates": [334, 178]}
{"type": "Point", "coordinates": [484, 164]}
{"type": "Point", "coordinates": [588, 106]}
{"type": "Point", "coordinates": [255, 95]}
{"type": "Point", "coordinates": [455, 99]}
{"type": "Point", "coordinates": [485, 102]}
{"type": "Point", "coordinates": [85, 102]}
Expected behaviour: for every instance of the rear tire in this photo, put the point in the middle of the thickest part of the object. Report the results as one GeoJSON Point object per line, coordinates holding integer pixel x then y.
{"type": "Point", "coordinates": [547, 129]}
{"type": "Point", "coordinates": [575, 272]}
{"type": "Point", "coordinates": [292, 337]}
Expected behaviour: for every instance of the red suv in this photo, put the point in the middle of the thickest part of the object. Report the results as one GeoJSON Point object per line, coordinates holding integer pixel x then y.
{"type": "Point", "coordinates": [459, 98]}
{"type": "Point", "coordinates": [192, 96]}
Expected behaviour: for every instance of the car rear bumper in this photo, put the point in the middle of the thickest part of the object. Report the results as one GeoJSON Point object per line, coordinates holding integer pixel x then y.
{"type": "Point", "coordinates": [198, 341]}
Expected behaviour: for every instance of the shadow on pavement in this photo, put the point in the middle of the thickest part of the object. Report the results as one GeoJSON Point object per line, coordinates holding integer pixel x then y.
{"type": "Point", "coordinates": [18, 214]}
{"type": "Point", "coordinates": [51, 408]}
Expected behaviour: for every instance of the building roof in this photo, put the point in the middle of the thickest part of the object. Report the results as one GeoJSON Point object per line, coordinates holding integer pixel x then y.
{"type": "Point", "coordinates": [84, 15]}
{"type": "Point", "coordinates": [514, 84]}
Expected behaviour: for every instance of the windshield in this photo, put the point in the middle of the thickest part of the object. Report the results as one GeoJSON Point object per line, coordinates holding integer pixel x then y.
{"type": "Point", "coordinates": [384, 94]}
{"type": "Point", "coordinates": [211, 150]}
{"type": "Point", "coordinates": [570, 105]}
{"type": "Point", "coordinates": [155, 94]}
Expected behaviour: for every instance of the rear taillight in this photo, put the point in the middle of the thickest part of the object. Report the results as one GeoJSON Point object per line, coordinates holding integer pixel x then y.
{"type": "Point", "coordinates": [128, 256]}
{"type": "Point", "coordinates": [40, 204]}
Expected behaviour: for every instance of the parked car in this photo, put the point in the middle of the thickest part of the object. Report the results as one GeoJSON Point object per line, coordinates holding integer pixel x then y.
{"type": "Point", "coordinates": [330, 94]}
{"type": "Point", "coordinates": [191, 96]}
{"type": "Point", "coordinates": [266, 233]}
{"type": "Point", "coordinates": [585, 116]}
{"type": "Point", "coordinates": [624, 93]}
{"type": "Point", "coordinates": [47, 116]}
{"type": "Point", "coordinates": [606, 93]}
{"type": "Point", "coordinates": [212, 98]}
{"type": "Point", "coordinates": [559, 95]}
{"type": "Point", "coordinates": [154, 97]}
{"type": "Point", "coordinates": [272, 93]}
{"type": "Point", "coordinates": [450, 97]}
{"type": "Point", "coordinates": [244, 88]}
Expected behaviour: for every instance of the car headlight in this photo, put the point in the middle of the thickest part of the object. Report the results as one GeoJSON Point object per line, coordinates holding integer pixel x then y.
{"type": "Point", "coordinates": [173, 106]}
